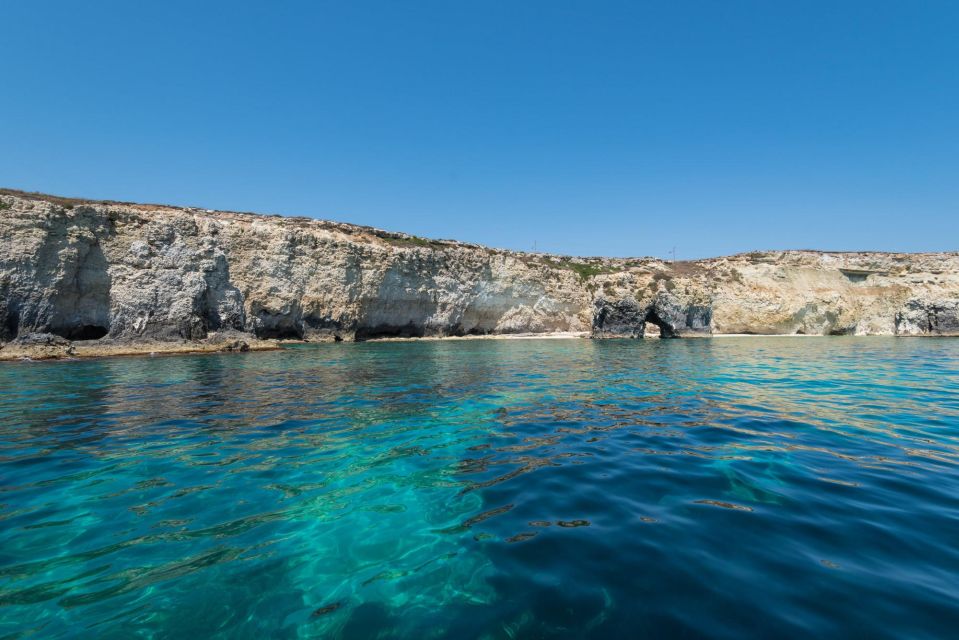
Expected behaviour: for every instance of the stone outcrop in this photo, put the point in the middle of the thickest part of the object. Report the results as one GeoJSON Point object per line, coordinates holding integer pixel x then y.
{"type": "Point", "coordinates": [127, 273]}
{"type": "Point", "coordinates": [924, 316]}
{"type": "Point", "coordinates": [40, 346]}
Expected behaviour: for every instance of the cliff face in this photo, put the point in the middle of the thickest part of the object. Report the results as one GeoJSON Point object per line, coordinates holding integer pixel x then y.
{"type": "Point", "coordinates": [123, 272]}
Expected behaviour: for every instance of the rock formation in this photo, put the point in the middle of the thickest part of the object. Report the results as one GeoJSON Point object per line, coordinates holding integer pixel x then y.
{"type": "Point", "coordinates": [122, 273]}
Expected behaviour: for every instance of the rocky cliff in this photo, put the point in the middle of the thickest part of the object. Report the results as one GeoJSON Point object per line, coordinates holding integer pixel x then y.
{"type": "Point", "coordinates": [123, 273]}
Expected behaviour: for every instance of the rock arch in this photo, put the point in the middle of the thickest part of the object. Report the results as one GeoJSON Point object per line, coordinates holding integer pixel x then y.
{"type": "Point", "coordinates": [666, 330]}
{"type": "Point", "coordinates": [627, 318]}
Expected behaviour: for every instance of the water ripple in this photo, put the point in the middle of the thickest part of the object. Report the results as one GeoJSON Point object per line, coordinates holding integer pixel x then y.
{"type": "Point", "coordinates": [754, 488]}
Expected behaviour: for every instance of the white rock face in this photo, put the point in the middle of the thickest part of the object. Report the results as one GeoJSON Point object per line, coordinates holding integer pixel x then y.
{"type": "Point", "coordinates": [89, 270]}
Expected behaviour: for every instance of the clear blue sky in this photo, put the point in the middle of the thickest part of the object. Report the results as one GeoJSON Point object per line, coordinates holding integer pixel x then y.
{"type": "Point", "coordinates": [590, 128]}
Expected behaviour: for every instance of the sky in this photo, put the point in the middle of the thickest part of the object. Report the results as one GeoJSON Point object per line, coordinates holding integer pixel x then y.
{"type": "Point", "coordinates": [584, 128]}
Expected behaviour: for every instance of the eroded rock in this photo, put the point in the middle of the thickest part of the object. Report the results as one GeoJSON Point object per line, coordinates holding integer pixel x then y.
{"type": "Point", "coordinates": [935, 317]}
{"type": "Point", "coordinates": [124, 274]}
{"type": "Point", "coordinates": [38, 346]}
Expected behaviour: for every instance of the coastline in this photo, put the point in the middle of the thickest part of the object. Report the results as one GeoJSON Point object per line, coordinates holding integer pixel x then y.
{"type": "Point", "coordinates": [47, 347]}
{"type": "Point", "coordinates": [122, 279]}
{"type": "Point", "coordinates": [44, 348]}
{"type": "Point", "coordinates": [553, 335]}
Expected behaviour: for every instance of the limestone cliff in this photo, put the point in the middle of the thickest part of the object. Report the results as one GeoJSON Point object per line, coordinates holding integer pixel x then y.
{"type": "Point", "coordinates": [119, 272]}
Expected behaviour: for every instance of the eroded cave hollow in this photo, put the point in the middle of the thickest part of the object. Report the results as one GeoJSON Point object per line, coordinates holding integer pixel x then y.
{"type": "Point", "coordinates": [664, 329]}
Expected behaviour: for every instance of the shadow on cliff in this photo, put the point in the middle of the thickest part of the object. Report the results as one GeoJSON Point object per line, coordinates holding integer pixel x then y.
{"type": "Point", "coordinates": [220, 306]}
{"type": "Point", "coordinates": [70, 283]}
{"type": "Point", "coordinates": [82, 307]}
{"type": "Point", "coordinates": [403, 306]}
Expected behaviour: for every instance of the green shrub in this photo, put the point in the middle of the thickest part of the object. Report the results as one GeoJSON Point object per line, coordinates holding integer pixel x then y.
{"type": "Point", "coordinates": [584, 270]}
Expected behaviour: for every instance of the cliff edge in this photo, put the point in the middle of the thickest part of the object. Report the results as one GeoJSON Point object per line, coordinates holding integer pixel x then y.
{"type": "Point", "coordinates": [130, 277]}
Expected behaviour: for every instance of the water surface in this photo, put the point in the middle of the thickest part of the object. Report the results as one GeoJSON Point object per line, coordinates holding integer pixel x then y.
{"type": "Point", "coordinates": [486, 489]}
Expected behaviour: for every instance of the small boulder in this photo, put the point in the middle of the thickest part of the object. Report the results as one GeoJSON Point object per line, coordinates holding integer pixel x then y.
{"type": "Point", "coordinates": [229, 340]}
{"type": "Point", "coordinates": [236, 345]}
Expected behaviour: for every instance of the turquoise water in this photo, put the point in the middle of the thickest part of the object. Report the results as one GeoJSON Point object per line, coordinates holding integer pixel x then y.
{"type": "Point", "coordinates": [486, 489]}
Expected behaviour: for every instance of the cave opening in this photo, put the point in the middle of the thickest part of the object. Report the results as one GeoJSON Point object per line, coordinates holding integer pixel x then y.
{"type": "Point", "coordinates": [855, 275]}
{"type": "Point", "coordinates": [408, 330]}
{"type": "Point", "coordinates": [83, 332]}
{"type": "Point", "coordinates": [11, 325]}
{"type": "Point", "coordinates": [459, 331]}
{"type": "Point", "coordinates": [279, 333]}
{"type": "Point", "coordinates": [842, 331]}
{"type": "Point", "coordinates": [665, 330]}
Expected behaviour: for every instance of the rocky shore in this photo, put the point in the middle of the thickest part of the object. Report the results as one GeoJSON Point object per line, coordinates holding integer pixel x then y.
{"type": "Point", "coordinates": [82, 278]}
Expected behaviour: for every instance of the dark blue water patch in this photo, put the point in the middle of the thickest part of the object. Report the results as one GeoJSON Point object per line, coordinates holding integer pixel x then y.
{"type": "Point", "coordinates": [486, 489]}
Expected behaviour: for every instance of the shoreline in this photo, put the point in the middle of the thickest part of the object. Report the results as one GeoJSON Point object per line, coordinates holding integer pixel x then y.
{"type": "Point", "coordinates": [62, 349]}
{"type": "Point", "coordinates": [555, 335]}
{"type": "Point", "coordinates": [141, 288]}
{"type": "Point", "coordinates": [82, 350]}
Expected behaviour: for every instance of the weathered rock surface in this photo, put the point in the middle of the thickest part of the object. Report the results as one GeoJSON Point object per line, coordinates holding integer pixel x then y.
{"type": "Point", "coordinates": [39, 346]}
{"type": "Point", "coordinates": [131, 274]}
